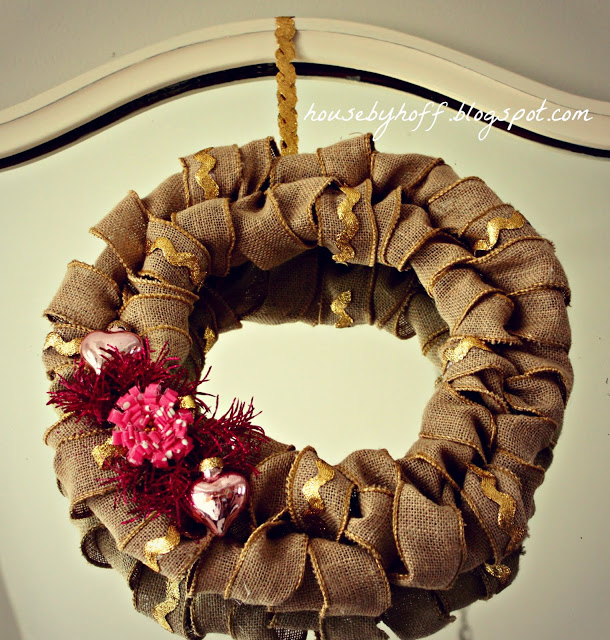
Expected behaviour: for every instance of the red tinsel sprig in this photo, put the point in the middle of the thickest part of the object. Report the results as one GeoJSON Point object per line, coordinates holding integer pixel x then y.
{"type": "Point", "coordinates": [90, 395]}
{"type": "Point", "coordinates": [148, 490]}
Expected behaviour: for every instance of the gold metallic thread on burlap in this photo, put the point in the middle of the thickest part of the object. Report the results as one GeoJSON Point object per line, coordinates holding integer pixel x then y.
{"type": "Point", "coordinates": [63, 347]}
{"type": "Point", "coordinates": [286, 87]}
{"type": "Point", "coordinates": [106, 450]}
{"type": "Point", "coordinates": [164, 608]}
{"type": "Point", "coordinates": [507, 507]}
{"type": "Point", "coordinates": [311, 489]}
{"type": "Point", "coordinates": [450, 187]}
{"type": "Point", "coordinates": [349, 219]}
{"type": "Point", "coordinates": [134, 532]}
{"type": "Point", "coordinates": [160, 546]}
{"type": "Point", "coordinates": [55, 425]}
{"type": "Point", "coordinates": [178, 258]}
{"type": "Point", "coordinates": [460, 351]}
{"type": "Point", "coordinates": [494, 226]}
{"type": "Point", "coordinates": [338, 306]}
{"type": "Point", "coordinates": [203, 177]}
{"type": "Point", "coordinates": [210, 336]}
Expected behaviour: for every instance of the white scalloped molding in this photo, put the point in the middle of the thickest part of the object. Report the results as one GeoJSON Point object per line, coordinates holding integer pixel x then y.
{"type": "Point", "coordinates": [335, 42]}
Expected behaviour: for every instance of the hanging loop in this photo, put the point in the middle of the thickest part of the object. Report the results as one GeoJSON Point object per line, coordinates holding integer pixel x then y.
{"type": "Point", "coordinates": [286, 87]}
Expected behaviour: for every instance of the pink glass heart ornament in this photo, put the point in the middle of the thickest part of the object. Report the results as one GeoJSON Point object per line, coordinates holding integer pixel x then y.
{"type": "Point", "coordinates": [218, 497]}
{"type": "Point", "coordinates": [93, 345]}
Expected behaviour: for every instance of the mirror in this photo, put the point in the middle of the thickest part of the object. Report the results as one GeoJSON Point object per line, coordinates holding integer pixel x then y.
{"type": "Point", "coordinates": [336, 390]}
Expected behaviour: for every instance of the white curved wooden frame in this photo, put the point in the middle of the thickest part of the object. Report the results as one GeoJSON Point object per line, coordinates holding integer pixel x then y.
{"type": "Point", "coordinates": [26, 125]}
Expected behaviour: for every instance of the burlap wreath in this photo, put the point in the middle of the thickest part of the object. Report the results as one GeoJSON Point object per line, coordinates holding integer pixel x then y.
{"type": "Point", "coordinates": [243, 233]}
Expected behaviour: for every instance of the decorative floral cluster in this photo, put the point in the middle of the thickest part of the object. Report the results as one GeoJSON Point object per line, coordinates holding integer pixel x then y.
{"type": "Point", "coordinates": [150, 427]}
{"type": "Point", "coordinates": [159, 444]}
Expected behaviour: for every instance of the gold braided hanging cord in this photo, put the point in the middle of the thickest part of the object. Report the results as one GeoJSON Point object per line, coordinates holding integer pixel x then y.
{"type": "Point", "coordinates": [286, 88]}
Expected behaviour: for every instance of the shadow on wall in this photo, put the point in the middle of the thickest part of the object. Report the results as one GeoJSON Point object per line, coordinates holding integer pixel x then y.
{"type": "Point", "coordinates": [8, 623]}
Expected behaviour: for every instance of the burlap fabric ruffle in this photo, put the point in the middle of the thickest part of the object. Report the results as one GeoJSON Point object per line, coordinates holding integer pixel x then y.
{"type": "Point", "coordinates": [242, 233]}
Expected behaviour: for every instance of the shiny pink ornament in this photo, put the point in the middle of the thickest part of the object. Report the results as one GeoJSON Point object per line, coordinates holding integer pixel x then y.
{"type": "Point", "coordinates": [93, 344]}
{"type": "Point", "coordinates": [218, 498]}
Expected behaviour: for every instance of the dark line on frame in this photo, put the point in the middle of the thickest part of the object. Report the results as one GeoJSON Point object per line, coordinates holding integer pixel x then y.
{"type": "Point", "coordinates": [249, 72]}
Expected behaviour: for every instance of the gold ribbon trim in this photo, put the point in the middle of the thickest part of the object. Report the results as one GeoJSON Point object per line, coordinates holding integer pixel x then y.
{"type": "Point", "coordinates": [160, 546]}
{"type": "Point", "coordinates": [499, 571]}
{"type": "Point", "coordinates": [178, 258]}
{"type": "Point", "coordinates": [160, 612]}
{"type": "Point", "coordinates": [311, 489]}
{"type": "Point", "coordinates": [106, 450]}
{"type": "Point", "coordinates": [210, 336]}
{"type": "Point", "coordinates": [460, 351]}
{"type": "Point", "coordinates": [349, 219]}
{"type": "Point", "coordinates": [338, 306]}
{"type": "Point", "coordinates": [286, 85]}
{"type": "Point", "coordinates": [60, 345]}
{"type": "Point", "coordinates": [187, 402]}
{"type": "Point", "coordinates": [507, 505]}
{"type": "Point", "coordinates": [494, 226]}
{"type": "Point", "coordinates": [203, 177]}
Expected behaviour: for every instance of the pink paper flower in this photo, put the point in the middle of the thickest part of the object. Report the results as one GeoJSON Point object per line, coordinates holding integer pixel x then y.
{"type": "Point", "coordinates": [150, 427]}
